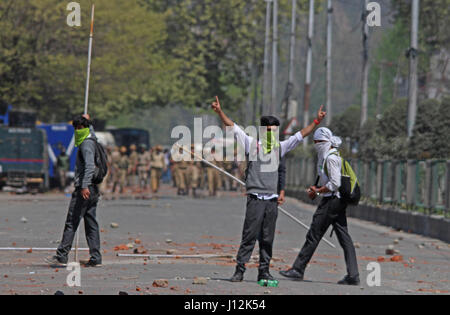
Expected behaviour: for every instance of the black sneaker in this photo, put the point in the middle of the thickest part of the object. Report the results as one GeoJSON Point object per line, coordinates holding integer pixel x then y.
{"type": "Point", "coordinates": [92, 264]}
{"type": "Point", "coordinates": [55, 261]}
{"type": "Point", "coordinates": [350, 281]}
{"type": "Point", "coordinates": [237, 277]}
{"type": "Point", "coordinates": [265, 275]}
{"type": "Point", "coordinates": [292, 274]}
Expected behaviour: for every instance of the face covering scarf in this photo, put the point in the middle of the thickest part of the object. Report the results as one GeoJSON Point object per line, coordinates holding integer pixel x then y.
{"type": "Point", "coordinates": [81, 135]}
{"type": "Point", "coordinates": [269, 142]}
{"type": "Point", "coordinates": [322, 149]}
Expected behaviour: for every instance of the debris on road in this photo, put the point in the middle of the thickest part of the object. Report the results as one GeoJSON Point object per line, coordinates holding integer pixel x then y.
{"type": "Point", "coordinates": [200, 280]}
{"type": "Point", "coordinates": [24, 220]}
{"type": "Point", "coordinates": [121, 247]}
{"type": "Point", "coordinates": [390, 250]}
{"type": "Point", "coordinates": [397, 258]}
{"type": "Point", "coordinates": [114, 225]}
{"type": "Point", "coordinates": [140, 251]}
{"type": "Point", "coordinates": [161, 283]}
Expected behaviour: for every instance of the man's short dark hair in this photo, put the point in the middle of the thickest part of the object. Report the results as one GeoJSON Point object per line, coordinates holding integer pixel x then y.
{"type": "Point", "coordinates": [80, 121]}
{"type": "Point", "coordinates": [267, 121]}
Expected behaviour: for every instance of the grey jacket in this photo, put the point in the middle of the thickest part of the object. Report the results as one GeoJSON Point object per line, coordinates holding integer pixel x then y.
{"type": "Point", "coordinates": [85, 163]}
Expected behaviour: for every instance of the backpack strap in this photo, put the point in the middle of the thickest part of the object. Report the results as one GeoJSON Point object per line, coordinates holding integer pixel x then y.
{"type": "Point", "coordinates": [324, 166]}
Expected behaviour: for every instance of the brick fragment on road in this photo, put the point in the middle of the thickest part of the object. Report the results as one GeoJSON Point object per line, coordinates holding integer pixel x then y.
{"type": "Point", "coordinates": [397, 258]}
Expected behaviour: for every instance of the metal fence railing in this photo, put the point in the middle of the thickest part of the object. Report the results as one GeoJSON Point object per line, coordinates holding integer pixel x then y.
{"type": "Point", "coordinates": [420, 185]}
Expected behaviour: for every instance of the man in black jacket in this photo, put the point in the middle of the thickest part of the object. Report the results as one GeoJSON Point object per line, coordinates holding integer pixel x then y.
{"type": "Point", "coordinates": [84, 198]}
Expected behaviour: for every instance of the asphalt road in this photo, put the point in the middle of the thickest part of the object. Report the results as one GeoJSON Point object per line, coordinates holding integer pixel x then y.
{"type": "Point", "coordinates": [179, 226]}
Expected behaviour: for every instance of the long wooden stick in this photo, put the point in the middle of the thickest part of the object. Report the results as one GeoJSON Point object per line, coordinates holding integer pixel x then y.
{"type": "Point", "coordinates": [243, 184]}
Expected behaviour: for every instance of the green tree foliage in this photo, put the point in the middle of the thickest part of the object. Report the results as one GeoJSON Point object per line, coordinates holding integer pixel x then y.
{"type": "Point", "coordinates": [216, 43]}
{"type": "Point", "coordinates": [146, 53]}
{"type": "Point", "coordinates": [43, 60]}
{"type": "Point", "coordinates": [430, 138]}
{"type": "Point", "coordinates": [442, 130]}
{"type": "Point", "coordinates": [386, 138]}
{"type": "Point", "coordinates": [346, 125]}
{"type": "Point", "coordinates": [434, 21]}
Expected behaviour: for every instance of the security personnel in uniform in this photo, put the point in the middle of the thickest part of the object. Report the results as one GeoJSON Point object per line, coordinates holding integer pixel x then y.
{"type": "Point", "coordinates": [133, 161]}
{"type": "Point", "coordinates": [123, 166]}
{"type": "Point", "coordinates": [181, 174]}
{"type": "Point", "coordinates": [214, 178]}
{"type": "Point", "coordinates": [194, 173]}
{"type": "Point", "coordinates": [158, 165]}
{"type": "Point", "coordinates": [144, 160]}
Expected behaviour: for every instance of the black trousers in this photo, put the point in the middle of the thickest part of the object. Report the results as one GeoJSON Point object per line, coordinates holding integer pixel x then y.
{"type": "Point", "coordinates": [81, 208]}
{"type": "Point", "coordinates": [260, 222]}
{"type": "Point", "coordinates": [331, 211]}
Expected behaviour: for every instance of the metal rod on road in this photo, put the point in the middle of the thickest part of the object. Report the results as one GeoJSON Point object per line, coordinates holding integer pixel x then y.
{"type": "Point", "coordinates": [243, 184]}
{"type": "Point", "coordinates": [35, 249]}
{"type": "Point", "coordinates": [175, 256]}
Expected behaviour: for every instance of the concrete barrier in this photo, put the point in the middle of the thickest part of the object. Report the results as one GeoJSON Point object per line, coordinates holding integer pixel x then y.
{"type": "Point", "coordinates": [412, 222]}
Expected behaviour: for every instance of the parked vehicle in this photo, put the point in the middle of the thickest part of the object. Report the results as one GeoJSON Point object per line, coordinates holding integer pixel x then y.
{"type": "Point", "coordinates": [59, 136]}
{"type": "Point", "coordinates": [24, 158]}
{"type": "Point", "coordinates": [128, 136]}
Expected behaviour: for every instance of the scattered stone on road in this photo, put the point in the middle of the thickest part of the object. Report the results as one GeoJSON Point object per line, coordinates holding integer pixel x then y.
{"type": "Point", "coordinates": [114, 225]}
{"type": "Point", "coordinates": [200, 280]}
{"type": "Point", "coordinates": [161, 283]}
{"type": "Point", "coordinates": [390, 250]}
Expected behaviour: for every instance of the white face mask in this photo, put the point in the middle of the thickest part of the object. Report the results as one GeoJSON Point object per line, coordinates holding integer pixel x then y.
{"type": "Point", "coordinates": [322, 149]}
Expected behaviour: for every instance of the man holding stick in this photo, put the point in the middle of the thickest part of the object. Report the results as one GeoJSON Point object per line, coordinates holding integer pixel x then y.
{"type": "Point", "coordinates": [84, 198]}
{"type": "Point", "coordinates": [262, 187]}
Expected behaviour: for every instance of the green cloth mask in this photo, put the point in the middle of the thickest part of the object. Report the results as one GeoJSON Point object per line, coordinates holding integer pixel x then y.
{"type": "Point", "coordinates": [269, 142]}
{"type": "Point", "coordinates": [81, 135]}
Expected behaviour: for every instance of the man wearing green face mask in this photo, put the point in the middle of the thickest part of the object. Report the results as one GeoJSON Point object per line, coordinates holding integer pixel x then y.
{"type": "Point", "coordinates": [262, 183]}
{"type": "Point", "coordinates": [84, 198]}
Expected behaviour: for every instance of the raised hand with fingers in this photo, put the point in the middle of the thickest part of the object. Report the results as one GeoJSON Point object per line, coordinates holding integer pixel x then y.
{"type": "Point", "coordinates": [216, 105]}
{"type": "Point", "coordinates": [321, 114]}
